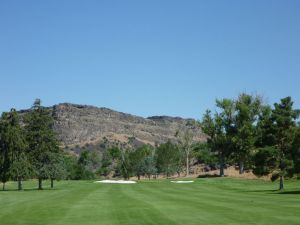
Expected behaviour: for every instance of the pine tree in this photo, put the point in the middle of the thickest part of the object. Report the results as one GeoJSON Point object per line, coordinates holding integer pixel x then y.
{"type": "Point", "coordinates": [42, 141]}
{"type": "Point", "coordinates": [169, 159]}
{"type": "Point", "coordinates": [15, 161]}
{"type": "Point", "coordinates": [279, 145]}
{"type": "Point", "coordinates": [247, 109]}
{"type": "Point", "coordinates": [5, 153]}
{"type": "Point", "coordinates": [284, 118]}
{"type": "Point", "coordinates": [219, 129]}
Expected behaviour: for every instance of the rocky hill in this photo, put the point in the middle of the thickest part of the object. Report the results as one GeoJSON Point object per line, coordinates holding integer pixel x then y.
{"type": "Point", "coordinates": [80, 125]}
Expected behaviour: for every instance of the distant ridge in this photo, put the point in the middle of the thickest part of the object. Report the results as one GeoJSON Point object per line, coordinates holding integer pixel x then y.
{"type": "Point", "coordinates": [79, 125]}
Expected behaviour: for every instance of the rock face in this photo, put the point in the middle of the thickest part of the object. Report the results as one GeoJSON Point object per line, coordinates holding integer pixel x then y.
{"type": "Point", "coordinates": [80, 125]}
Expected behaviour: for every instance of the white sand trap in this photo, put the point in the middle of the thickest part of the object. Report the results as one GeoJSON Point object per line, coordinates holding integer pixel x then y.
{"type": "Point", "coordinates": [183, 181]}
{"type": "Point", "coordinates": [116, 182]}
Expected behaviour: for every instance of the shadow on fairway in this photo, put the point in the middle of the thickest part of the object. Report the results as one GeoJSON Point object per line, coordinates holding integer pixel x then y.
{"type": "Point", "coordinates": [209, 176]}
{"type": "Point", "coordinates": [289, 193]}
{"type": "Point", "coordinates": [275, 192]}
{"type": "Point", "coordinates": [262, 191]}
{"type": "Point", "coordinates": [29, 189]}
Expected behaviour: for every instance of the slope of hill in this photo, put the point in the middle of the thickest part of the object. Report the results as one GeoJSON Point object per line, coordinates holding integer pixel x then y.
{"type": "Point", "coordinates": [79, 125]}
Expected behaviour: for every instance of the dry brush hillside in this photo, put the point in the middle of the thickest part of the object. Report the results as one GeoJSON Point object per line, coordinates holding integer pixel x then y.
{"type": "Point", "coordinates": [80, 125]}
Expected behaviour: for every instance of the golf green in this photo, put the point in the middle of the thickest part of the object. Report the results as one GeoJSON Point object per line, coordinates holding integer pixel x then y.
{"type": "Point", "coordinates": [206, 201]}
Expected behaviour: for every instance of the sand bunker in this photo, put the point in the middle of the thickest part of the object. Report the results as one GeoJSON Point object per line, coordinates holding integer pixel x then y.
{"type": "Point", "coordinates": [116, 182]}
{"type": "Point", "coordinates": [183, 181]}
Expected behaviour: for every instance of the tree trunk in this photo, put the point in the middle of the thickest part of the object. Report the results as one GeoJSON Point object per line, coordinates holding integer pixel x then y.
{"type": "Point", "coordinates": [139, 177]}
{"type": "Point", "coordinates": [187, 166]}
{"type": "Point", "coordinates": [221, 170]}
{"type": "Point", "coordinates": [281, 183]}
{"type": "Point", "coordinates": [3, 186]}
{"type": "Point", "coordinates": [40, 184]}
{"type": "Point", "coordinates": [20, 186]}
{"type": "Point", "coordinates": [52, 183]}
{"type": "Point", "coordinates": [241, 167]}
{"type": "Point", "coordinates": [221, 166]}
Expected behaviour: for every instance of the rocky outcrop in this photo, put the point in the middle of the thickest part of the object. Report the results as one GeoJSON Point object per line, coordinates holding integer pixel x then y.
{"type": "Point", "coordinates": [80, 125]}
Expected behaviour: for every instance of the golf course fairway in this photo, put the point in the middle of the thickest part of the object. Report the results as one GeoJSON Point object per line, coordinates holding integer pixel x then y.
{"type": "Point", "coordinates": [209, 201]}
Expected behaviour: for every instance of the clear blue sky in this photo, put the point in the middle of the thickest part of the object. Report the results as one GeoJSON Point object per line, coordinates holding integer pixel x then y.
{"type": "Point", "coordinates": [148, 57]}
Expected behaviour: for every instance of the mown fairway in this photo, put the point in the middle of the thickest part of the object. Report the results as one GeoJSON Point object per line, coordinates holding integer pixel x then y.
{"type": "Point", "coordinates": [207, 201]}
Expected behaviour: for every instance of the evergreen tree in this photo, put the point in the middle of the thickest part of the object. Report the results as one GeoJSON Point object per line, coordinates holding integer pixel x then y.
{"type": "Point", "coordinates": [56, 167]}
{"type": "Point", "coordinates": [220, 129]}
{"type": "Point", "coordinates": [15, 162]}
{"type": "Point", "coordinates": [41, 140]}
{"type": "Point", "coordinates": [83, 167]}
{"type": "Point", "coordinates": [265, 161]}
{"type": "Point", "coordinates": [284, 119]}
{"type": "Point", "coordinates": [137, 160]}
{"type": "Point", "coordinates": [106, 165]}
{"type": "Point", "coordinates": [5, 154]}
{"type": "Point", "coordinates": [295, 151]}
{"type": "Point", "coordinates": [279, 140]}
{"type": "Point", "coordinates": [149, 166]}
{"type": "Point", "coordinates": [265, 128]}
{"type": "Point", "coordinates": [169, 159]}
{"type": "Point", "coordinates": [21, 168]}
{"type": "Point", "coordinates": [247, 109]}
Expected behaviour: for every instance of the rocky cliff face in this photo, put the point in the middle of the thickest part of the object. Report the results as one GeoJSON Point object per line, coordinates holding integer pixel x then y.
{"type": "Point", "coordinates": [79, 125]}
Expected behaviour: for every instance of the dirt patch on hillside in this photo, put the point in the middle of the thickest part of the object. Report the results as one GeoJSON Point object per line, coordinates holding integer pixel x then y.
{"type": "Point", "coordinates": [232, 172]}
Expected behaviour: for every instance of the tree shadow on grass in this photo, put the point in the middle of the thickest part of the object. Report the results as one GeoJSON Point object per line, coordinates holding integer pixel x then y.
{"type": "Point", "coordinates": [208, 176]}
{"type": "Point", "coordinates": [262, 191]}
{"type": "Point", "coordinates": [288, 192]}
{"type": "Point", "coordinates": [296, 192]}
{"type": "Point", "coordinates": [28, 189]}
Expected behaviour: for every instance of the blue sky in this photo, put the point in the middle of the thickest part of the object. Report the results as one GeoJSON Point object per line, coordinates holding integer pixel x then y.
{"type": "Point", "coordinates": [148, 57]}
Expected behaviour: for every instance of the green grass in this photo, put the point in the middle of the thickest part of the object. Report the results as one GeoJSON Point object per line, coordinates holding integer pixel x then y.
{"type": "Point", "coordinates": [207, 201]}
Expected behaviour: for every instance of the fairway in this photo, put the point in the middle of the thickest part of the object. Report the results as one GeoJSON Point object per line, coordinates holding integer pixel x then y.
{"type": "Point", "coordinates": [206, 201]}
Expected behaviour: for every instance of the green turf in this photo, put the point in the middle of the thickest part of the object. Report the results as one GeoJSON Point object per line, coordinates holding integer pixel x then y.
{"type": "Point", "coordinates": [207, 201]}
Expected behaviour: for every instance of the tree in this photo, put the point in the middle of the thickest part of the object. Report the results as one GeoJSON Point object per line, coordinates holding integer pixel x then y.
{"type": "Point", "coordinates": [83, 167]}
{"type": "Point", "coordinates": [284, 119]}
{"type": "Point", "coordinates": [13, 145]}
{"type": "Point", "coordinates": [41, 140]}
{"type": "Point", "coordinates": [5, 157]}
{"type": "Point", "coordinates": [137, 160]}
{"type": "Point", "coordinates": [149, 166]}
{"type": "Point", "coordinates": [212, 126]}
{"type": "Point", "coordinates": [106, 164]}
{"type": "Point", "coordinates": [168, 158]}
{"type": "Point", "coordinates": [69, 164]}
{"type": "Point", "coordinates": [295, 151]}
{"type": "Point", "coordinates": [265, 161]}
{"type": "Point", "coordinates": [279, 135]}
{"type": "Point", "coordinates": [124, 163]}
{"type": "Point", "coordinates": [204, 154]}
{"type": "Point", "coordinates": [247, 109]}
{"type": "Point", "coordinates": [219, 129]}
{"type": "Point", "coordinates": [185, 143]}
{"type": "Point", "coordinates": [119, 160]}
{"type": "Point", "coordinates": [265, 128]}
{"type": "Point", "coordinates": [21, 168]}
{"type": "Point", "coordinates": [57, 169]}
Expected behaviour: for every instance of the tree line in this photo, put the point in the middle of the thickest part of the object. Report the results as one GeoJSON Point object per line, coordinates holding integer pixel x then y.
{"type": "Point", "coordinates": [244, 132]}
{"type": "Point", "coordinates": [29, 148]}
{"type": "Point", "coordinates": [255, 136]}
